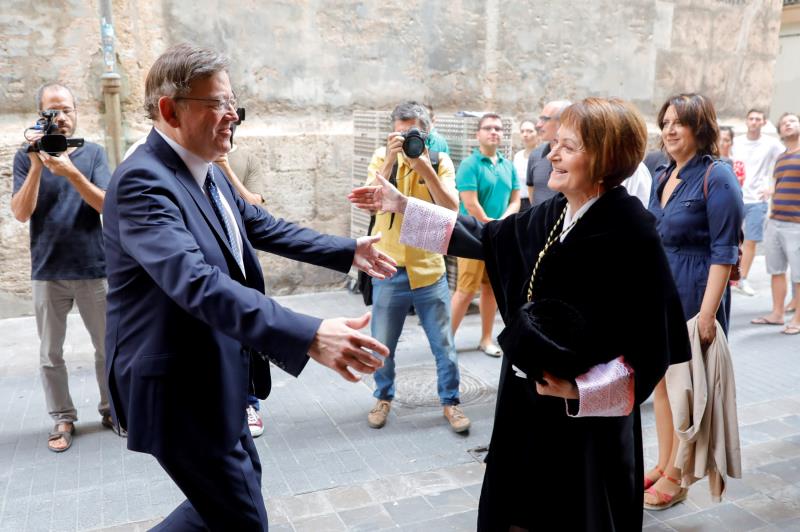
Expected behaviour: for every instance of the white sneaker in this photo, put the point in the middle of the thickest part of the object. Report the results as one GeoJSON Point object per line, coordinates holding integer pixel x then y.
{"type": "Point", "coordinates": [743, 287]}
{"type": "Point", "coordinates": [254, 422]}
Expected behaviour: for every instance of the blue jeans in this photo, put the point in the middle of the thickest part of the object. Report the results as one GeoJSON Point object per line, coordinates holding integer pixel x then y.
{"type": "Point", "coordinates": [253, 401]}
{"type": "Point", "coordinates": [391, 300]}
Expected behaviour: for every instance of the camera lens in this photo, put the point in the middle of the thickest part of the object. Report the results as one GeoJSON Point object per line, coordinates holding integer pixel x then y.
{"type": "Point", "coordinates": [414, 143]}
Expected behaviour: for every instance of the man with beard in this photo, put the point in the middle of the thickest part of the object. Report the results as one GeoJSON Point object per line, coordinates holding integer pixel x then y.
{"type": "Point", "coordinates": [62, 196]}
{"type": "Point", "coordinates": [782, 233]}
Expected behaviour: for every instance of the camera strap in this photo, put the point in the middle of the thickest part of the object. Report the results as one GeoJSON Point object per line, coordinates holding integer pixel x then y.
{"type": "Point", "coordinates": [393, 181]}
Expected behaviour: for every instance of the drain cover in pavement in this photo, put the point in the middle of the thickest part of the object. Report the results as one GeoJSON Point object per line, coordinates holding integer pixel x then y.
{"type": "Point", "coordinates": [415, 386]}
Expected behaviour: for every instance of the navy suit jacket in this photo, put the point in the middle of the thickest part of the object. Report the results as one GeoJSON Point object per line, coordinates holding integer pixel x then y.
{"type": "Point", "coordinates": [180, 310]}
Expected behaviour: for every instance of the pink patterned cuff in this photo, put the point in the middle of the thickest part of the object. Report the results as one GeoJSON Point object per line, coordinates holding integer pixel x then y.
{"type": "Point", "coordinates": [606, 390]}
{"type": "Point", "coordinates": [427, 226]}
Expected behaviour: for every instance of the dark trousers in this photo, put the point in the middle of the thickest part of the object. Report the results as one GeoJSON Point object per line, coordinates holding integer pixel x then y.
{"type": "Point", "coordinates": [222, 492]}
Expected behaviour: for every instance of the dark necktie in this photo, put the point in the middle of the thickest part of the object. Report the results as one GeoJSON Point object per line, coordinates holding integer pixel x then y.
{"type": "Point", "coordinates": [222, 215]}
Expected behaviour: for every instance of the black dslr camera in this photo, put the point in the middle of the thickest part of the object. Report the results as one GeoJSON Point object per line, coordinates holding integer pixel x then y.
{"type": "Point", "coordinates": [414, 143]}
{"type": "Point", "coordinates": [51, 142]}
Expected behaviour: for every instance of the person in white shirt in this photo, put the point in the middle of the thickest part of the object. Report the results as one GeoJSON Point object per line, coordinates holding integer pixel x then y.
{"type": "Point", "coordinates": [527, 131]}
{"type": "Point", "coordinates": [639, 184]}
{"type": "Point", "coordinates": [759, 153]}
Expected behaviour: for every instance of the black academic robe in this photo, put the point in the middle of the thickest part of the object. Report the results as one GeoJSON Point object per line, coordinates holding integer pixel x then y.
{"type": "Point", "coordinates": [546, 470]}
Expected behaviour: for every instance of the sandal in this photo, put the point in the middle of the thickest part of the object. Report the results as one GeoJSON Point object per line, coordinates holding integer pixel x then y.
{"type": "Point", "coordinates": [108, 422]}
{"type": "Point", "coordinates": [648, 481]}
{"type": "Point", "coordinates": [491, 350]}
{"type": "Point", "coordinates": [791, 330]}
{"type": "Point", "coordinates": [58, 434]}
{"type": "Point", "coordinates": [666, 500]}
{"type": "Point", "coordinates": [764, 321]}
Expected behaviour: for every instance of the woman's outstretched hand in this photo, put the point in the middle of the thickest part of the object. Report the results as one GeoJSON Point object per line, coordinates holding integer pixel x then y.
{"type": "Point", "coordinates": [383, 197]}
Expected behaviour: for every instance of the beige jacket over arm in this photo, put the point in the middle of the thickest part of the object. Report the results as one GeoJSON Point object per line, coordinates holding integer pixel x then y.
{"type": "Point", "coordinates": [702, 394]}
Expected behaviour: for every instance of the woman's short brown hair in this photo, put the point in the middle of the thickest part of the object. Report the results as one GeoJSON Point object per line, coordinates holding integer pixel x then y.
{"type": "Point", "coordinates": [614, 136]}
{"type": "Point", "coordinates": [696, 112]}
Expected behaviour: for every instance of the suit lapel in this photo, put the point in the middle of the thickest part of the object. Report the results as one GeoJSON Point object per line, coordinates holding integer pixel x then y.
{"type": "Point", "coordinates": [184, 177]}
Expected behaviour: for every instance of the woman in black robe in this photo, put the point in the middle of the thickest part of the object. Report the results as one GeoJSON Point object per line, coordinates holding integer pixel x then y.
{"type": "Point", "coordinates": [566, 454]}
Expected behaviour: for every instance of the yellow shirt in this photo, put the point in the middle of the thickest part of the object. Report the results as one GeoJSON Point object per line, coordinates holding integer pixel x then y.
{"type": "Point", "coordinates": [424, 268]}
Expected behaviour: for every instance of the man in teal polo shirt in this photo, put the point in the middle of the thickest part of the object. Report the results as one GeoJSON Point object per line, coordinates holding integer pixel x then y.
{"type": "Point", "coordinates": [435, 142]}
{"type": "Point", "coordinates": [488, 186]}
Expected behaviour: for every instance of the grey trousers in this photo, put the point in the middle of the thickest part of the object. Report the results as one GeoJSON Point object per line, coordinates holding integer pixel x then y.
{"type": "Point", "coordinates": [52, 301]}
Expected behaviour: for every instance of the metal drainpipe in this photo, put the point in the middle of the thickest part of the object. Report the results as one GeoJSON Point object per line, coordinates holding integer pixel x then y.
{"type": "Point", "coordinates": [111, 84]}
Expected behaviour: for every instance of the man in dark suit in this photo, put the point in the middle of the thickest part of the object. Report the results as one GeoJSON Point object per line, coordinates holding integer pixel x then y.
{"type": "Point", "coordinates": [187, 314]}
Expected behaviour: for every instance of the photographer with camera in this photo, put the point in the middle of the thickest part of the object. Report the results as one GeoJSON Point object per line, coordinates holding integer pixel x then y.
{"type": "Point", "coordinates": [62, 193]}
{"type": "Point", "coordinates": [420, 279]}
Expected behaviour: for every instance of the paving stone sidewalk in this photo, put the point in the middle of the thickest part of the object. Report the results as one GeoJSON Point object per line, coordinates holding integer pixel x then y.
{"type": "Point", "coordinates": [324, 469]}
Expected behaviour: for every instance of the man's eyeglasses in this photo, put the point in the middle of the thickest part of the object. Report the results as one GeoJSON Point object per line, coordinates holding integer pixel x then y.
{"type": "Point", "coordinates": [69, 111]}
{"type": "Point", "coordinates": [499, 129]}
{"type": "Point", "coordinates": [218, 104]}
{"type": "Point", "coordinates": [545, 118]}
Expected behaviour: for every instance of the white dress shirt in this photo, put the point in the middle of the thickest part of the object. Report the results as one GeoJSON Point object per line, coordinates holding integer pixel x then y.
{"type": "Point", "coordinates": [198, 168]}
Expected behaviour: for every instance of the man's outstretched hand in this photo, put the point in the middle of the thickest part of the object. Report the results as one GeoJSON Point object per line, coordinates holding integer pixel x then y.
{"type": "Point", "coordinates": [371, 260]}
{"type": "Point", "coordinates": [340, 346]}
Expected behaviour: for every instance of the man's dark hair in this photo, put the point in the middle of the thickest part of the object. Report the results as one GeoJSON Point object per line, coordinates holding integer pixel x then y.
{"type": "Point", "coordinates": [784, 115]}
{"type": "Point", "coordinates": [488, 116]}
{"type": "Point", "coordinates": [754, 110]}
{"type": "Point", "coordinates": [412, 110]}
{"type": "Point", "coordinates": [50, 85]}
{"type": "Point", "coordinates": [729, 129]}
{"type": "Point", "coordinates": [176, 69]}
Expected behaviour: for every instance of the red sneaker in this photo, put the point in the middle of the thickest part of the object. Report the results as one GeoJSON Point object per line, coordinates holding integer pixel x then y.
{"type": "Point", "coordinates": [254, 422]}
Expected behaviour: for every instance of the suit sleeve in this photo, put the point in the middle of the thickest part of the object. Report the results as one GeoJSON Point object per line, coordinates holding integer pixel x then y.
{"type": "Point", "coordinates": [153, 232]}
{"type": "Point", "coordinates": [275, 235]}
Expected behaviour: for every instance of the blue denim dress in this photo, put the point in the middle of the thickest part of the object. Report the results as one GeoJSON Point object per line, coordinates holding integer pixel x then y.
{"type": "Point", "coordinates": [697, 231]}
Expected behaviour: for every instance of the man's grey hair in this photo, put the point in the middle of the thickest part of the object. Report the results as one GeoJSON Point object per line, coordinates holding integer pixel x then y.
{"type": "Point", "coordinates": [51, 85]}
{"type": "Point", "coordinates": [559, 105]}
{"type": "Point", "coordinates": [176, 69]}
{"type": "Point", "coordinates": [413, 111]}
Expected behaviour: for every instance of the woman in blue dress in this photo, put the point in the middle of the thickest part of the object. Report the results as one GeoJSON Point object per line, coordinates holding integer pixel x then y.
{"type": "Point", "coordinates": [698, 207]}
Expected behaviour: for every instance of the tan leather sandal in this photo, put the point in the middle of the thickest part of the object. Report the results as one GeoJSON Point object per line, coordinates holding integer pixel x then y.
{"type": "Point", "coordinates": [665, 500]}
{"type": "Point", "coordinates": [649, 481]}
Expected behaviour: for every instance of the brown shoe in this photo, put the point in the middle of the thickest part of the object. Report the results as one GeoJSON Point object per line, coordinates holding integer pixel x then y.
{"type": "Point", "coordinates": [377, 416]}
{"type": "Point", "coordinates": [458, 421]}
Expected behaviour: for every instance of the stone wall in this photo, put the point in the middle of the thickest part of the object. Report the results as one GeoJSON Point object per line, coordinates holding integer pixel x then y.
{"type": "Point", "coordinates": [302, 66]}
